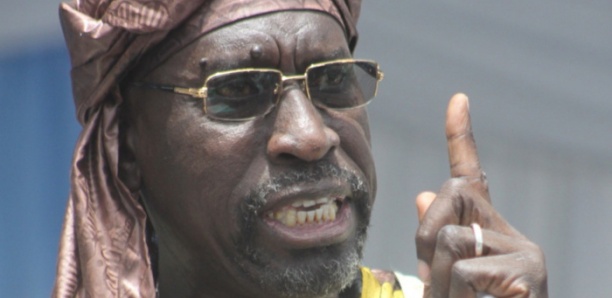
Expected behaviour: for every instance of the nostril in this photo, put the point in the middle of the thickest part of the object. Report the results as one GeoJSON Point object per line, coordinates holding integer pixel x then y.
{"type": "Point", "coordinates": [287, 157]}
{"type": "Point", "coordinates": [293, 158]}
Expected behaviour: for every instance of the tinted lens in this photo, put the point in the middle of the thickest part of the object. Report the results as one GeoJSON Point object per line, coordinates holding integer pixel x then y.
{"type": "Point", "coordinates": [343, 85]}
{"type": "Point", "coordinates": [241, 95]}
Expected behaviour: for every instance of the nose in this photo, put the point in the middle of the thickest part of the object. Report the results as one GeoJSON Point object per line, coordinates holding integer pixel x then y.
{"type": "Point", "coordinates": [299, 131]}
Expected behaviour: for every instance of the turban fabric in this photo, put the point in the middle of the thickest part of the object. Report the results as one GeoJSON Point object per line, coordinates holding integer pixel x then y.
{"type": "Point", "coordinates": [103, 249]}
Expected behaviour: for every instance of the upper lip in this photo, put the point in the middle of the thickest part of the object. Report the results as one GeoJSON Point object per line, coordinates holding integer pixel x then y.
{"type": "Point", "coordinates": [313, 190]}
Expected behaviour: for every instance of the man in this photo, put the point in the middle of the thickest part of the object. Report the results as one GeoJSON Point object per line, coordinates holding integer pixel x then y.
{"type": "Point", "coordinates": [258, 182]}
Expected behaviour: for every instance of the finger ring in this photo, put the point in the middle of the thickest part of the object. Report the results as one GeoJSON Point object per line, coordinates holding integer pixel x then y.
{"type": "Point", "coordinates": [477, 239]}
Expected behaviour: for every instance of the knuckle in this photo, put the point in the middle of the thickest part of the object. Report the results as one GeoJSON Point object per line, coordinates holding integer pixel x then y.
{"type": "Point", "coordinates": [520, 289]}
{"type": "Point", "coordinates": [539, 254]}
{"type": "Point", "coordinates": [540, 273]}
{"type": "Point", "coordinates": [422, 235]}
{"type": "Point", "coordinates": [425, 238]}
{"type": "Point", "coordinates": [462, 189]}
{"type": "Point", "coordinates": [461, 271]}
{"type": "Point", "coordinates": [465, 274]}
{"type": "Point", "coordinates": [535, 276]}
{"type": "Point", "coordinates": [466, 186]}
{"type": "Point", "coordinates": [534, 254]}
{"type": "Point", "coordinates": [455, 183]}
{"type": "Point", "coordinates": [466, 192]}
{"type": "Point", "coordinates": [449, 236]}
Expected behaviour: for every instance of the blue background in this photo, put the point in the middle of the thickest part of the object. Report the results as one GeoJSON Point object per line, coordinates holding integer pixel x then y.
{"type": "Point", "coordinates": [37, 136]}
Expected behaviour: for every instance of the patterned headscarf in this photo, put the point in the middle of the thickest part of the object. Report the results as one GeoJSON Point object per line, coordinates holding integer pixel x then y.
{"type": "Point", "coordinates": [103, 248]}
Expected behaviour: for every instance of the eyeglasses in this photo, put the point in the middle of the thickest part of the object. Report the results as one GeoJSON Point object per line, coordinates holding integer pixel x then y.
{"type": "Point", "coordinates": [247, 93]}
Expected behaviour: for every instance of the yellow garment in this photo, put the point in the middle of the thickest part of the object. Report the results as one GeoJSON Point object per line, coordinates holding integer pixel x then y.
{"type": "Point", "coordinates": [372, 288]}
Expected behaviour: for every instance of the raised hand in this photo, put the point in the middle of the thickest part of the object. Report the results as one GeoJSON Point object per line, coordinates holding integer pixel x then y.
{"type": "Point", "coordinates": [509, 265]}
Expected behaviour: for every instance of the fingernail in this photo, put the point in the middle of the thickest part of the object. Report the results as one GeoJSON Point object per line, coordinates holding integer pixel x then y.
{"type": "Point", "coordinates": [423, 272]}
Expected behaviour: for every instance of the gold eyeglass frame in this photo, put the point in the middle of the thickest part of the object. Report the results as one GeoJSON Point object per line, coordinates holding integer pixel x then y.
{"type": "Point", "coordinates": [202, 92]}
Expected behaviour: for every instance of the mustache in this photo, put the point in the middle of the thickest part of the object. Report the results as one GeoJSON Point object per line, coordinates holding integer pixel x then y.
{"type": "Point", "coordinates": [319, 171]}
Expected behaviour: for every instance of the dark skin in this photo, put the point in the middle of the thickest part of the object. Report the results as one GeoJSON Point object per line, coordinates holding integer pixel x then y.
{"type": "Point", "coordinates": [195, 171]}
{"type": "Point", "coordinates": [511, 265]}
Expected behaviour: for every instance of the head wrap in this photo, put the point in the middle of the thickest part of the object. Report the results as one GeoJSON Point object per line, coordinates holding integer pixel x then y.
{"type": "Point", "coordinates": [103, 249]}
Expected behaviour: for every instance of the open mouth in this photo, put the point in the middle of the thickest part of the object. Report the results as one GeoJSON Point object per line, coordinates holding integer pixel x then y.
{"type": "Point", "coordinates": [305, 222]}
{"type": "Point", "coordinates": [307, 212]}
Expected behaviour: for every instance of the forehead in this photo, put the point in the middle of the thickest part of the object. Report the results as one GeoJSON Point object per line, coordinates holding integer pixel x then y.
{"type": "Point", "coordinates": [289, 41]}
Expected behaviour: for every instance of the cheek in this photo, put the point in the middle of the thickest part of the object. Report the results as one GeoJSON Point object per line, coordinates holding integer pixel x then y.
{"type": "Point", "coordinates": [190, 166]}
{"type": "Point", "coordinates": [354, 131]}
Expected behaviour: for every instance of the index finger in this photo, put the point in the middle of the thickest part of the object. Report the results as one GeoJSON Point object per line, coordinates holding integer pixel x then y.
{"type": "Point", "coordinates": [462, 154]}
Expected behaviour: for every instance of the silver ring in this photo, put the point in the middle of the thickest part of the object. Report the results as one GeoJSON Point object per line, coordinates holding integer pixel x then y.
{"type": "Point", "coordinates": [477, 239]}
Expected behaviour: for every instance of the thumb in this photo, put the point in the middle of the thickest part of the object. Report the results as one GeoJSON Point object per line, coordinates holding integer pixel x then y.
{"type": "Point", "coordinates": [423, 200]}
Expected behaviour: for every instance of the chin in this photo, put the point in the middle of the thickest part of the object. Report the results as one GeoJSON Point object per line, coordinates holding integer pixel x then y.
{"type": "Point", "coordinates": [312, 272]}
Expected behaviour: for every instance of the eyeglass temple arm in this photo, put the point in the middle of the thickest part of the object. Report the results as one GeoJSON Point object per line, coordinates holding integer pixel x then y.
{"type": "Point", "coordinates": [194, 92]}
{"type": "Point", "coordinates": [380, 75]}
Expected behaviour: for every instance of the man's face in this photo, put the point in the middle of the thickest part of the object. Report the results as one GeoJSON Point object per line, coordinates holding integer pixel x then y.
{"type": "Point", "coordinates": [277, 205]}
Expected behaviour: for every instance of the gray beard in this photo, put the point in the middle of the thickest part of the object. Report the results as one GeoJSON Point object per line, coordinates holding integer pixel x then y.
{"type": "Point", "coordinates": [318, 273]}
{"type": "Point", "coordinates": [314, 272]}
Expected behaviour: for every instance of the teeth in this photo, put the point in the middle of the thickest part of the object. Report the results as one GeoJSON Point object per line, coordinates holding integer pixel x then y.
{"type": "Point", "coordinates": [290, 216]}
{"type": "Point", "coordinates": [308, 203]}
{"type": "Point", "coordinates": [301, 217]}
{"type": "Point", "coordinates": [324, 213]}
{"type": "Point", "coordinates": [311, 216]}
{"type": "Point", "coordinates": [319, 214]}
{"type": "Point", "coordinates": [323, 200]}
